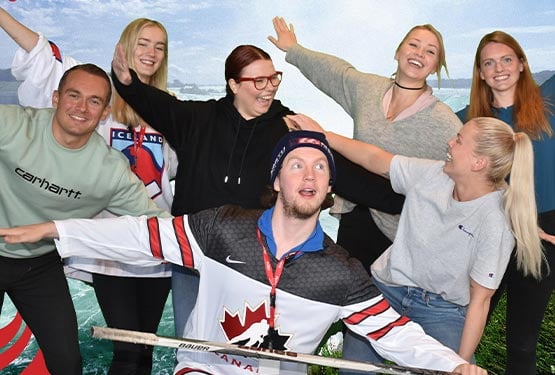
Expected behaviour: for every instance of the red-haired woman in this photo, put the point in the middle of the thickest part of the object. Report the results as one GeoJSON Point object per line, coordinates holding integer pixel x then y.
{"type": "Point", "coordinates": [503, 87]}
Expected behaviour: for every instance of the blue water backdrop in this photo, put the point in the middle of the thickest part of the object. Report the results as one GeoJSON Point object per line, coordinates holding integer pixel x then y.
{"type": "Point", "coordinates": [97, 353]}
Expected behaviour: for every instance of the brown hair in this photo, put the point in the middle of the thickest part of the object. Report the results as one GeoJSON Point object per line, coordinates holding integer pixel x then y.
{"type": "Point", "coordinates": [238, 59]}
{"type": "Point", "coordinates": [129, 39]}
{"type": "Point", "coordinates": [530, 110]}
{"type": "Point", "coordinates": [91, 69]}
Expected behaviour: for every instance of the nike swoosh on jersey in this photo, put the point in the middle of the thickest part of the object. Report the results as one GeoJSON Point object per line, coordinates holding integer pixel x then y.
{"type": "Point", "coordinates": [229, 260]}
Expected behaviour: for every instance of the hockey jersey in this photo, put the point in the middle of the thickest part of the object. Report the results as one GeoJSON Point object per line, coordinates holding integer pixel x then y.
{"type": "Point", "coordinates": [316, 289]}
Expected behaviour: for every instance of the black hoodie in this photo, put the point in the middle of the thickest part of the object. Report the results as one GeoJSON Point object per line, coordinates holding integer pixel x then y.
{"type": "Point", "coordinates": [223, 158]}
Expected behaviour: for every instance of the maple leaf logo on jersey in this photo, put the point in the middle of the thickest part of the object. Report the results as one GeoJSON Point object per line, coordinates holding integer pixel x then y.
{"type": "Point", "coordinates": [251, 329]}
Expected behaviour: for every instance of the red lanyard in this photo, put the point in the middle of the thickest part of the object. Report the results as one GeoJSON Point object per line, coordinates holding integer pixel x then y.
{"type": "Point", "coordinates": [273, 278]}
{"type": "Point", "coordinates": [137, 144]}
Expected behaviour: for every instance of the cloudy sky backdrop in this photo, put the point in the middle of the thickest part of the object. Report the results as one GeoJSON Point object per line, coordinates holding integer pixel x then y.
{"type": "Point", "coordinates": [364, 32]}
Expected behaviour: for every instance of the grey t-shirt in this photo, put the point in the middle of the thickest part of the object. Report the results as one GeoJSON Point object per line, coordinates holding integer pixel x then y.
{"type": "Point", "coordinates": [442, 243]}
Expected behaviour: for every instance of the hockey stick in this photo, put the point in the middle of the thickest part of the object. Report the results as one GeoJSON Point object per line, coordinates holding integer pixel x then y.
{"type": "Point", "coordinates": [209, 346]}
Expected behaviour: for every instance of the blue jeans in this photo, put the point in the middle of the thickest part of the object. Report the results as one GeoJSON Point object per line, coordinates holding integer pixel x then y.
{"type": "Point", "coordinates": [441, 319]}
{"type": "Point", "coordinates": [184, 296]}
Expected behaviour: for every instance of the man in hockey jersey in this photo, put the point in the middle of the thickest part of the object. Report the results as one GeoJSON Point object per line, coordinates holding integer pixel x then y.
{"type": "Point", "coordinates": [268, 278]}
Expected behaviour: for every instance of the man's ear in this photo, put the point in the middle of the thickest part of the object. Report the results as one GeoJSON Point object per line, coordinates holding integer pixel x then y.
{"type": "Point", "coordinates": [106, 112]}
{"type": "Point", "coordinates": [276, 183]}
{"type": "Point", "coordinates": [55, 98]}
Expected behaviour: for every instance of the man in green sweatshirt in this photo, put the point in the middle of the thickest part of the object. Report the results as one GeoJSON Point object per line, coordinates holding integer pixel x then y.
{"type": "Point", "coordinates": [54, 165]}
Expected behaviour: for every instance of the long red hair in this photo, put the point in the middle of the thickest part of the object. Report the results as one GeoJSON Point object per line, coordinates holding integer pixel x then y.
{"type": "Point", "coordinates": [530, 110]}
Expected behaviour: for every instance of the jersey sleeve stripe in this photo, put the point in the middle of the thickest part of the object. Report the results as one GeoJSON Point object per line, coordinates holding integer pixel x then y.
{"type": "Point", "coordinates": [373, 310]}
{"type": "Point", "coordinates": [376, 335]}
{"type": "Point", "coordinates": [154, 237]}
{"type": "Point", "coordinates": [183, 241]}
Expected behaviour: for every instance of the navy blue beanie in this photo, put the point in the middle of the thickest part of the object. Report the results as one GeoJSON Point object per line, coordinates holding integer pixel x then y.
{"type": "Point", "coordinates": [296, 139]}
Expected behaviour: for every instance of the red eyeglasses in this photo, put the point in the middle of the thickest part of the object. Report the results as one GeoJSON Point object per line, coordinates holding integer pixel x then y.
{"type": "Point", "coordinates": [260, 83]}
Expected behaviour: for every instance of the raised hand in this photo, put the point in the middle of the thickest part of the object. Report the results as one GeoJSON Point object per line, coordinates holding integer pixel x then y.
{"type": "Point", "coordinates": [21, 34]}
{"type": "Point", "coordinates": [285, 34]}
{"type": "Point", "coordinates": [120, 66]}
{"type": "Point", "coordinates": [303, 122]}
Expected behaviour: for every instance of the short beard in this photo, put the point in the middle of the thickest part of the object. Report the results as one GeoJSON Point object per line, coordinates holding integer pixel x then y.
{"type": "Point", "coordinates": [290, 209]}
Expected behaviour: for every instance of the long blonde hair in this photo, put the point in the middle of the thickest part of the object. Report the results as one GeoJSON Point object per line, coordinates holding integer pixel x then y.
{"type": "Point", "coordinates": [441, 62]}
{"type": "Point", "coordinates": [129, 39]}
{"type": "Point", "coordinates": [530, 110]}
{"type": "Point", "coordinates": [511, 153]}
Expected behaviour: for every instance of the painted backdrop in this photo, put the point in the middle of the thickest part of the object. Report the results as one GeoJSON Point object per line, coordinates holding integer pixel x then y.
{"type": "Point", "coordinates": [201, 35]}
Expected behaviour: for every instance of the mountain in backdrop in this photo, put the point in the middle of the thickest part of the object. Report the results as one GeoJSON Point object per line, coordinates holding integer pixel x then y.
{"type": "Point", "coordinates": [464, 83]}
{"type": "Point", "coordinates": [9, 85]}
{"type": "Point", "coordinates": [6, 75]}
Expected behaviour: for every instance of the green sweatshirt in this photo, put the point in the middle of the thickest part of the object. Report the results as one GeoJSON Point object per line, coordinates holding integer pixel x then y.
{"type": "Point", "coordinates": [42, 181]}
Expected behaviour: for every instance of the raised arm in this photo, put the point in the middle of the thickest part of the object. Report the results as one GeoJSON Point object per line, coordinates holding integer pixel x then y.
{"type": "Point", "coordinates": [370, 157]}
{"type": "Point", "coordinates": [332, 75]}
{"type": "Point", "coordinates": [365, 188]}
{"type": "Point", "coordinates": [161, 110]}
{"type": "Point", "coordinates": [38, 63]}
{"type": "Point", "coordinates": [21, 34]}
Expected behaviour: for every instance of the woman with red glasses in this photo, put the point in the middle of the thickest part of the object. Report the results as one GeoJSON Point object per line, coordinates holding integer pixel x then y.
{"type": "Point", "coordinates": [223, 146]}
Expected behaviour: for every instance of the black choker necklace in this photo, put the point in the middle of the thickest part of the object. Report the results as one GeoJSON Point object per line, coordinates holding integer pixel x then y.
{"type": "Point", "coordinates": [409, 88]}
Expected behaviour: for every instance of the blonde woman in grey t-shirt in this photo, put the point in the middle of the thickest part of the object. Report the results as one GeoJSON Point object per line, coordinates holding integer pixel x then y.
{"type": "Point", "coordinates": [456, 231]}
